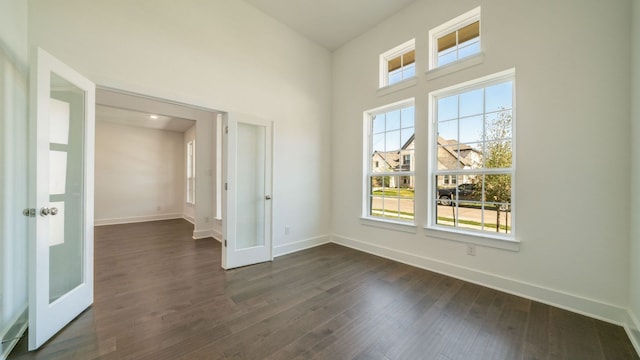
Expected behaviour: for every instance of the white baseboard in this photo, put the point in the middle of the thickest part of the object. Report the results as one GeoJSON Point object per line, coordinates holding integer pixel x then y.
{"type": "Point", "coordinates": [15, 330]}
{"type": "Point", "coordinates": [292, 247]}
{"type": "Point", "coordinates": [633, 330]}
{"type": "Point", "coordinates": [189, 219]}
{"type": "Point", "coordinates": [217, 234]}
{"type": "Point", "coordinates": [136, 219]}
{"type": "Point", "coordinates": [201, 234]}
{"type": "Point", "coordinates": [575, 303]}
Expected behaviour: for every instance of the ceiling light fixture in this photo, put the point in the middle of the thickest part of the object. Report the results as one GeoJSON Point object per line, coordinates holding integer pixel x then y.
{"type": "Point", "coordinates": [154, 117]}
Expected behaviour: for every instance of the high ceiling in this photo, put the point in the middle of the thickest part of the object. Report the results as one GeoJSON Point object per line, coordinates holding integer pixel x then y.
{"type": "Point", "coordinates": [330, 23]}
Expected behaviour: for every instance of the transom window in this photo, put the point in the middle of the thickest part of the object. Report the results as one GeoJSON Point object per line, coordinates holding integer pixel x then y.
{"type": "Point", "coordinates": [455, 39]}
{"type": "Point", "coordinates": [473, 168]}
{"type": "Point", "coordinates": [398, 64]}
{"type": "Point", "coordinates": [389, 159]}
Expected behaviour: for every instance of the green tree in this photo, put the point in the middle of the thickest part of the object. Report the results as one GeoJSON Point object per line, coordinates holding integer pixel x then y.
{"type": "Point", "coordinates": [498, 155]}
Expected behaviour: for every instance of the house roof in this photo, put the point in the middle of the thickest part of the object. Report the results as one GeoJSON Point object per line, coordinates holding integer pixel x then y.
{"type": "Point", "coordinates": [447, 146]}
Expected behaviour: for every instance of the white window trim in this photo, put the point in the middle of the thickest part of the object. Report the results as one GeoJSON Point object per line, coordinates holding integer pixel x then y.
{"type": "Point", "coordinates": [407, 226]}
{"type": "Point", "coordinates": [503, 241]}
{"type": "Point", "coordinates": [390, 54]}
{"type": "Point", "coordinates": [459, 22]}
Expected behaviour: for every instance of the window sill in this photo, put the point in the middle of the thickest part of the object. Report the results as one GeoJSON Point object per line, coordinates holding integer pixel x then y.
{"type": "Point", "coordinates": [467, 237]}
{"type": "Point", "coordinates": [389, 224]}
{"type": "Point", "coordinates": [455, 66]}
{"type": "Point", "coordinates": [407, 83]}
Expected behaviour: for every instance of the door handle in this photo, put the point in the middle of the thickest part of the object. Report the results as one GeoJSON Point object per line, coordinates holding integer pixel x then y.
{"type": "Point", "coordinates": [268, 197]}
{"type": "Point", "coordinates": [45, 211]}
{"type": "Point", "coordinates": [54, 211]}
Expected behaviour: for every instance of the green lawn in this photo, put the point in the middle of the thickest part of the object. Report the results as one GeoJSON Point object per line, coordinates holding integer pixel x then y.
{"type": "Point", "coordinates": [475, 223]}
{"type": "Point", "coordinates": [410, 193]}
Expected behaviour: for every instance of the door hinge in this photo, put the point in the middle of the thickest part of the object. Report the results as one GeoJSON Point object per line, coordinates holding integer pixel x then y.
{"type": "Point", "coordinates": [226, 129]}
{"type": "Point", "coordinates": [226, 187]}
{"type": "Point", "coordinates": [225, 243]}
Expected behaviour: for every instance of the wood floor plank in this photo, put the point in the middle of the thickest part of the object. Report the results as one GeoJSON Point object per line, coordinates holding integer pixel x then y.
{"type": "Point", "coordinates": [160, 295]}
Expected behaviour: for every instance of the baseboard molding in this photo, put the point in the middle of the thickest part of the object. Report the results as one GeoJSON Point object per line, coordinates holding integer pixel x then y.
{"type": "Point", "coordinates": [189, 219]}
{"type": "Point", "coordinates": [14, 332]}
{"type": "Point", "coordinates": [633, 330]}
{"type": "Point", "coordinates": [578, 304]}
{"type": "Point", "coordinates": [292, 247]}
{"type": "Point", "coordinates": [202, 234]}
{"type": "Point", "coordinates": [136, 219]}
{"type": "Point", "coordinates": [217, 234]}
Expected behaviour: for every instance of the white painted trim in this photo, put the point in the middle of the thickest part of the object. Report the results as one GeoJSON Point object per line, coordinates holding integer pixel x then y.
{"type": "Point", "coordinates": [9, 345]}
{"type": "Point", "coordinates": [202, 234]}
{"type": "Point", "coordinates": [138, 219]}
{"type": "Point", "coordinates": [632, 327]}
{"type": "Point", "coordinates": [190, 219]}
{"type": "Point", "coordinates": [390, 54]}
{"type": "Point", "coordinates": [401, 85]}
{"type": "Point", "coordinates": [572, 302]}
{"type": "Point", "coordinates": [455, 66]}
{"type": "Point", "coordinates": [296, 246]}
{"type": "Point", "coordinates": [408, 227]}
{"type": "Point", "coordinates": [459, 234]}
{"type": "Point", "coordinates": [217, 234]}
{"type": "Point", "coordinates": [454, 24]}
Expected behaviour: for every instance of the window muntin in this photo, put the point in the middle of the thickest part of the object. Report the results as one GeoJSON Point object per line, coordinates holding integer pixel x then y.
{"type": "Point", "coordinates": [191, 172]}
{"type": "Point", "coordinates": [390, 163]}
{"type": "Point", "coordinates": [398, 64]}
{"type": "Point", "coordinates": [474, 171]}
{"type": "Point", "coordinates": [456, 39]}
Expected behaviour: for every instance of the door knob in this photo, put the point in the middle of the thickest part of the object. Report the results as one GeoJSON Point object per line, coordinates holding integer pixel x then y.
{"type": "Point", "coordinates": [54, 211]}
{"type": "Point", "coordinates": [45, 211]}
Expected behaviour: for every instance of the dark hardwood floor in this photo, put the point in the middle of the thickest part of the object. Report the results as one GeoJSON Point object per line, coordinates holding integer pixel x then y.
{"type": "Point", "coordinates": [161, 295]}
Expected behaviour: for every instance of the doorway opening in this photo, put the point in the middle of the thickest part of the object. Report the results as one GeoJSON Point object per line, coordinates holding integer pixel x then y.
{"type": "Point", "coordinates": [157, 160]}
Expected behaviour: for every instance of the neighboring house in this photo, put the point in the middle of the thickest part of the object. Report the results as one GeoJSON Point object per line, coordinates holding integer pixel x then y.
{"type": "Point", "coordinates": [452, 155]}
{"type": "Point", "coordinates": [396, 161]}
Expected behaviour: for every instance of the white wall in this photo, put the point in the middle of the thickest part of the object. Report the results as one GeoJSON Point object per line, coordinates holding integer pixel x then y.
{"type": "Point", "coordinates": [188, 210]}
{"type": "Point", "coordinates": [138, 174]}
{"type": "Point", "coordinates": [634, 284]}
{"type": "Point", "coordinates": [205, 178]}
{"type": "Point", "coordinates": [572, 84]}
{"type": "Point", "coordinates": [222, 55]}
{"type": "Point", "coordinates": [14, 83]}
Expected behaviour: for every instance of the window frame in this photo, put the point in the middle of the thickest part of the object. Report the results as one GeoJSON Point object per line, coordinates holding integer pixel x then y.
{"type": "Point", "coordinates": [448, 27]}
{"type": "Point", "coordinates": [388, 55]}
{"type": "Point", "coordinates": [367, 219]}
{"type": "Point", "coordinates": [505, 241]}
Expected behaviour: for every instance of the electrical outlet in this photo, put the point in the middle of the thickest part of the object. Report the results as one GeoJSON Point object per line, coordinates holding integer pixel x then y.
{"type": "Point", "coordinates": [287, 229]}
{"type": "Point", "coordinates": [471, 250]}
{"type": "Point", "coordinates": [158, 207]}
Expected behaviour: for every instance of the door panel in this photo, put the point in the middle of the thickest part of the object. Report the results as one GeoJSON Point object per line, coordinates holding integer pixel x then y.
{"type": "Point", "coordinates": [247, 198]}
{"type": "Point", "coordinates": [61, 236]}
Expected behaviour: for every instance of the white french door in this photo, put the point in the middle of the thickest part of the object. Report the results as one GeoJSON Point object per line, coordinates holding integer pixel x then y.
{"type": "Point", "coordinates": [246, 218]}
{"type": "Point", "coordinates": [61, 188]}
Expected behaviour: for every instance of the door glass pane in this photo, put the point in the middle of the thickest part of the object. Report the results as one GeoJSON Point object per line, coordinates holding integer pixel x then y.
{"type": "Point", "coordinates": [57, 172]}
{"type": "Point", "coordinates": [251, 186]}
{"type": "Point", "coordinates": [56, 224]}
{"type": "Point", "coordinates": [66, 187]}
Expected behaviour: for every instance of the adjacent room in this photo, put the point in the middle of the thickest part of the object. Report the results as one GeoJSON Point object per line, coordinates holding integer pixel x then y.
{"type": "Point", "coordinates": [435, 180]}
